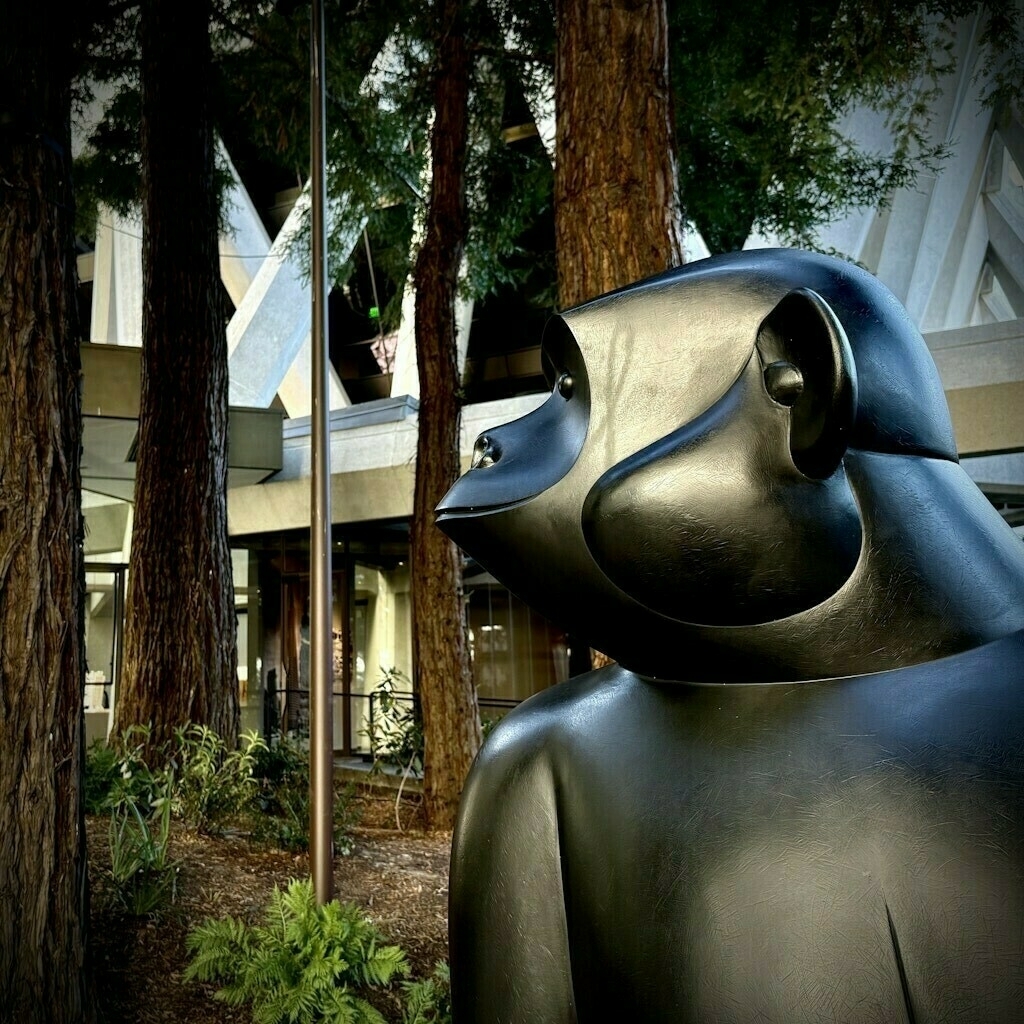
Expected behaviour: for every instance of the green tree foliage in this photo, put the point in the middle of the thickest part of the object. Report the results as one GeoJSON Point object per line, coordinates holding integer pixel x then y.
{"type": "Point", "coordinates": [509, 197]}
{"type": "Point", "coordinates": [109, 169]}
{"type": "Point", "coordinates": [379, 61]}
{"type": "Point", "coordinates": [762, 89]}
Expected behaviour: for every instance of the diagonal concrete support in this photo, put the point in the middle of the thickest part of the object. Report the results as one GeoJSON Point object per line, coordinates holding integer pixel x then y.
{"type": "Point", "coordinates": [116, 317]}
{"type": "Point", "coordinates": [269, 335]}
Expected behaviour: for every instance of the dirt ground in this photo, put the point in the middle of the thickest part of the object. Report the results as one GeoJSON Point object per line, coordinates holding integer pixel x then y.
{"type": "Point", "coordinates": [398, 878]}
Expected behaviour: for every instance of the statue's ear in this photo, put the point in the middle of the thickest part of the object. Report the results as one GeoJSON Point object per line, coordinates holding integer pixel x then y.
{"type": "Point", "coordinates": [808, 367]}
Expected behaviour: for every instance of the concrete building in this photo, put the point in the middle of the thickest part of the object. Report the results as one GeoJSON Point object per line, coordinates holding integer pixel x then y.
{"type": "Point", "coordinates": [952, 250]}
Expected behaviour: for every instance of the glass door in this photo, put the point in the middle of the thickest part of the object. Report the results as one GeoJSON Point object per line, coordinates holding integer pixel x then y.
{"type": "Point", "coordinates": [292, 691]}
{"type": "Point", "coordinates": [382, 643]}
{"type": "Point", "coordinates": [104, 645]}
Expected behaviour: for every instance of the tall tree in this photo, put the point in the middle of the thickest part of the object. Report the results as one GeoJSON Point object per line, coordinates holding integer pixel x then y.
{"type": "Point", "coordinates": [43, 906]}
{"type": "Point", "coordinates": [180, 633]}
{"type": "Point", "coordinates": [616, 211]}
{"type": "Point", "coordinates": [451, 721]}
{"type": "Point", "coordinates": [617, 216]}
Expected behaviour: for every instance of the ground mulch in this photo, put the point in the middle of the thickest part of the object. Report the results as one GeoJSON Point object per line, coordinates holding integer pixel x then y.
{"type": "Point", "coordinates": [398, 877]}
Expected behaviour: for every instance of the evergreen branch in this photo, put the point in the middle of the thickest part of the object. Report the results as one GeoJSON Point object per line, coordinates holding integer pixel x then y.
{"type": "Point", "coordinates": [520, 56]}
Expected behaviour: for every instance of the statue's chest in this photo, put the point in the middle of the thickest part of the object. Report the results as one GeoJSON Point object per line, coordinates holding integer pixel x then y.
{"type": "Point", "coordinates": [793, 870]}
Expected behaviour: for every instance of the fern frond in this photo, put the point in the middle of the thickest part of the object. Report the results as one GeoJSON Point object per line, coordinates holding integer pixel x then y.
{"type": "Point", "coordinates": [217, 947]}
{"type": "Point", "coordinates": [428, 1001]}
{"type": "Point", "coordinates": [384, 965]}
{"type": "Point", "coordinates": [301, 965]}
{"type": "Point", "coordinates": [367, 1014]}
{"type": "Point", "coordinates": [234, 993]}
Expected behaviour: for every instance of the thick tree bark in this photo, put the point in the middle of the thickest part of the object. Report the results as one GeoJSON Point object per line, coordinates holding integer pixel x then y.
{"type": "Point", "coordinates": [451, 720]}
{"type": "Point", "coordinates": [43, 902]}
{"type": "Point", "coordinates": [180, 634]}
{"type": "Point", "coordinates": [616, 209]}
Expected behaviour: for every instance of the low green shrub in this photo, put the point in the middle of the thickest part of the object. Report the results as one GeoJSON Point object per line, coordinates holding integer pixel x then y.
{"type": "Point", "coordinates": [303, 965]}
{"type": "Point", "coordinates": [102, 770]}
{"type": "Point", "coordinates": [281, 803]}
{"type": "Point", "coordinates": [142, 873]}
{"type": "Point", "coordinates": [213, 784]}
{"type": "Point", "coordinates": [210, 786]}
{"type": "Point", "coordinates": [116, 774]}
{"type": "Point", "coordinates": [279, 764]}
{"type": "Point", "coordinates": [488, 725]}
{"type": "Point", "coordinates": [429, 1000]}
{"type": "Point", "coordinates": [395, 729]}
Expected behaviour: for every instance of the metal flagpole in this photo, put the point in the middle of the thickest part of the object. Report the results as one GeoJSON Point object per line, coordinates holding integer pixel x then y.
{"type": "Point", "coordinates": [321, 730]}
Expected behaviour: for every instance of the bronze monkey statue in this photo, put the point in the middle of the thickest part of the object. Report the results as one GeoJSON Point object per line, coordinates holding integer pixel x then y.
{"type": "Point", "coordinates": [798, 795]}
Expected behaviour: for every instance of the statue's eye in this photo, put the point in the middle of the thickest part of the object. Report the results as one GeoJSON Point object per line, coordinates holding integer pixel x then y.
{"type": "Point", "coordinates": [564, 385]}
{"type": "Point", "coordinates": [485, 452]}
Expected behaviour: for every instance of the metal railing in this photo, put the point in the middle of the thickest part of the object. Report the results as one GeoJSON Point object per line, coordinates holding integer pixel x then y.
{"type": "Point", "coordinates": [286, 711]}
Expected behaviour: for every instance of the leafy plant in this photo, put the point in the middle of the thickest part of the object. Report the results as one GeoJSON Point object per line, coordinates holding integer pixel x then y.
{"type": "Point", "coordinates": [213, 782]}
{"type": "Point", "coordinates": [488, 724]}
{"type": "Point", "coordinates": [303, 965]}
{"type": "Point", "coordinates": [102, 769]}
{"type": "Point", "coordinates": [142, 873]}
{"type": "Point", "coordinates": [116, 774]}
{"type": "Point", "coordinates": [279, 764]}
{"type": "Point", "coordinates": [395, 729]}
{"type": "Point", "coordinates": [281, 801]}
{"type": "Point", "coordinates": [429, 1000]}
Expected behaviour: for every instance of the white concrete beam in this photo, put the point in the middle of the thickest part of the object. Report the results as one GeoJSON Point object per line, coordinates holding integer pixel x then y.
{"type": "Point", "coordinates": [102, 328]}
{"type": "Point", "coordinates": [271, 325]}
{"type": "Point", "coordinates": [244, 244]}
{"type": "Point", "coordinates": [244, 247]}
{"type": "Point", "coordinates": [972, 357]}
{"type": "Point", "coordinates": [953, 198]}
{"type": "Point", "coordinates": [127, 234]}
{"type": "Point", "coordinates": [1006, 236]}
{"type": "Point", "coordinates": [405, 378]}
{"type": "Point", "coordinates": [295, 391]}
{"type": "Point", "coordinates": [963, 290]}
{"type": "Point", "coordinates": [920, 219]}
{"type": "Point", "coordinates": [1008, 281]}
{"type": "Point", "coordinates": [269, 341]}
{"type": "Point", "coordinates": [851, 234]}
{"type": "Point", "coordinates": [1011, 131]}
{"type": "Point", "coordinates": [116, 317]}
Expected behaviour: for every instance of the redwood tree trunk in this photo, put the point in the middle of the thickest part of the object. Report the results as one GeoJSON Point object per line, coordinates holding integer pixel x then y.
{"type": "Point", "coordinates": [616, 208]}
{"type": "Point", "coordinates": [43, 905]}
{"type": "Point", "coordinates": [451, 720]}
{"type": "Point", "coordinates": [180, 634]}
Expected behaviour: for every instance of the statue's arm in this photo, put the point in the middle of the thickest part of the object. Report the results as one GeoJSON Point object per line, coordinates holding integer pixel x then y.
{"type": "Point", "coordinates": [508, 942]}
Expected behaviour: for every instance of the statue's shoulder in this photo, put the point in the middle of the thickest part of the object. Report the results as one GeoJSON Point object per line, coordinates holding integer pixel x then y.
{"type": "Point", "coordinates": [549, 725]}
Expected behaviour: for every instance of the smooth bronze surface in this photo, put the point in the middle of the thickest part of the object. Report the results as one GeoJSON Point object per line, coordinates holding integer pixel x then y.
{"type": "Point", "coordinates": [751, 481]}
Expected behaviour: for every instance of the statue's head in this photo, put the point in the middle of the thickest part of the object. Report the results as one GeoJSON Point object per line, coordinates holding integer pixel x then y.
{"type": "Point", "coordinates": [688, 466]}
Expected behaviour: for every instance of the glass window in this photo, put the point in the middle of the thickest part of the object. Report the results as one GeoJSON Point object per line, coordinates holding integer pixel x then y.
{"type": "Point", "coordinates": [516, 652]}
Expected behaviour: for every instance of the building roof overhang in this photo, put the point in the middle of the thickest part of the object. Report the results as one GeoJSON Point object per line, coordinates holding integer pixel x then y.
{"type": "Point", "coordinates": [111, 394]}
